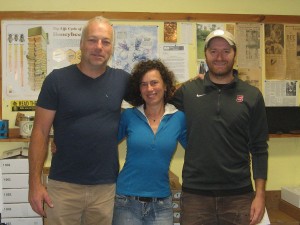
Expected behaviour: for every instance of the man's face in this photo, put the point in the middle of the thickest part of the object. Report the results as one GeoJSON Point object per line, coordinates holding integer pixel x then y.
{"type": "Point", "coordinates": [97, 45]}
{"type": "Point", "coordinates": [219, 57]}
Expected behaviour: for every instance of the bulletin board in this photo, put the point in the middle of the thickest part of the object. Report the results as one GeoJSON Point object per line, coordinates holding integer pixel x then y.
{"type": "Point", "coordinates": [153, 18]}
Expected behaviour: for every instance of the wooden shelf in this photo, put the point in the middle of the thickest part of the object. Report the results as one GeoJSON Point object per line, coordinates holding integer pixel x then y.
{"type": "Point", "coordinates": [283, 135]}
{"type": "Point", "coordinates": [14, 136]}
{"type": "Point", "coordinates": [15, 140]}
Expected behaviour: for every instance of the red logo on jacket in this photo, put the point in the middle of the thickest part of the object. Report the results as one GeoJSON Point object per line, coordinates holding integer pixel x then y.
{"type": "Point", "coordinates": [240, 98]}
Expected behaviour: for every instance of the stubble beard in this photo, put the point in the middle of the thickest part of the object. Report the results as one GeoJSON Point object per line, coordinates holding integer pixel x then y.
{"type": "Point", "coordinates": [219, 74]}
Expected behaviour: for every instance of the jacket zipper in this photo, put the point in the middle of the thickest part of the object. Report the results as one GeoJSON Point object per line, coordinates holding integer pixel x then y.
{"type": "Point", "coordinates": [218, 103]}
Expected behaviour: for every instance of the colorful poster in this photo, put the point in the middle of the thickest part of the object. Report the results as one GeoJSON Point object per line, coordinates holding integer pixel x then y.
{"type": "Point", "coordinates": [31, 50]}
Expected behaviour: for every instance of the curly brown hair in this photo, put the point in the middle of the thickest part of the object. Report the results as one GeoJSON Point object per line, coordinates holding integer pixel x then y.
{"type": "Point", "coordinates": [138, 72]}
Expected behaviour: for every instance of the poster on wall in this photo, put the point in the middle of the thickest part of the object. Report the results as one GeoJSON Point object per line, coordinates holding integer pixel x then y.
{"type": "Point", "coordinates": [275, 52]}
{"type": "Point", "coordinates": [249, 54]}
{"type": "Point", "coordinates": [134, 44]}
{"type": "Point", "coordinates": [292, 37]}
{"type": "Point", "coordinates": [32, 49]}
{"type": "Point", "coordinates": [170, 32]}
{"type": "Point", "coordinates": [249, 42]}
{"type": "Point", "coordinates": [281, 92]}
{"type": "Point", "coordinates": [251, 76]}
{"type": "Point", "coordinates": [203, 29]}
{"type": "Point", "coordinates": [175, 57]}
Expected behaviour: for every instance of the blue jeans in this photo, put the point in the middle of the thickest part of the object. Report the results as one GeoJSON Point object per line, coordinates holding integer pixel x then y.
{"type": "Point", "coordinates": [207, 210]}
{"type": "Point", "coordinates": [129, 211]}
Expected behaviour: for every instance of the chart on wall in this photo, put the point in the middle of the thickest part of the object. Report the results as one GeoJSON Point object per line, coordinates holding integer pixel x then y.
{"type": "Point", "coordinates": [32, 49]}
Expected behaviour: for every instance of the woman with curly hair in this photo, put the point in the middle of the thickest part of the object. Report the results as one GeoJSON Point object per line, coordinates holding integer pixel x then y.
{"type": "Point", "coordinates": [152, 129]}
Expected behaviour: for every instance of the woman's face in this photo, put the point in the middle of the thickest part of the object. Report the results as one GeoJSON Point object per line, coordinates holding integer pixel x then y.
{"type": "Point", "coordinates": [152, 88]}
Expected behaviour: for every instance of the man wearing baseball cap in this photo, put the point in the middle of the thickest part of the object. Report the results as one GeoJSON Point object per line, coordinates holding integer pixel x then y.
{"type": "Point", "coordinates": [227, 138]}
{"type": "Point", "coordinates": [223, 34]}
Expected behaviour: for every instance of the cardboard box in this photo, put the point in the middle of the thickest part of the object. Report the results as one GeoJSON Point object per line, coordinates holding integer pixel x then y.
{"type": "Point", "coordinates": [15, 195]}
{"type": "Point", "coordinates": [265, 220]}
{"type": "Point", "coordinates": [45, 175]}
{"type": "Point", "coordinates": [14, 165]}
{"type": "Point", "coordinates": [46, 170]}
{"type": "Point", "coordinates": [23, 221]}
{"type": "Point", "coordinates": [1, 195]}
{"type": "Point", "coordinates": [289, 209]}
{"type": "Point", "coordinates": [45, 221]}
{"type": "Point", "coordinates": [291, 195]}
{"type": "Point", "coordinates": [45, 180]}
{"type": "Point", "coordinates": [15, 180]}
{"type": "Point", "coordinates": [12, 210]}
{"type": "Point", "coordinates": [277, 217]}
{"type": "Point", "coordinates": [15, 153]}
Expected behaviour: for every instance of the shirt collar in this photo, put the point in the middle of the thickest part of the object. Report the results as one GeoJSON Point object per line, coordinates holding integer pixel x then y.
{"type": "Point", "coordinates": [209, 85]}
{"type": "Point", "coordinates": [169, 109]}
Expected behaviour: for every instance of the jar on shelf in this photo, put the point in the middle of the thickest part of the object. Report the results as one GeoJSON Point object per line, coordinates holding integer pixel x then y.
{"type": "Point", "coordinates": [26, 125]}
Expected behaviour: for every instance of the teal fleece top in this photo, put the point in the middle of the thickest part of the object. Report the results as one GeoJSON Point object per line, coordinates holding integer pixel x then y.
{"type": "Point", "coordinates": [145, 172]}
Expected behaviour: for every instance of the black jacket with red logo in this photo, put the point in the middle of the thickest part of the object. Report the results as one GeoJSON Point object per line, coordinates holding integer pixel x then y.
{"type": "Point", "coordinates": [226, 126]}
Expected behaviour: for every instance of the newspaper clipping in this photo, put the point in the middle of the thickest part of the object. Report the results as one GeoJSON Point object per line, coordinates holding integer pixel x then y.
{"type": "Point", "coordinates": [281, 93]}
{"type": "Point", "coordinates": [249, 45]}
{"type": "Point", "coordinates": [292, 52]}
{"type": "Point", "coordinates": [274, 51]}
{"type": "Point", "coordinates": [249, 53]}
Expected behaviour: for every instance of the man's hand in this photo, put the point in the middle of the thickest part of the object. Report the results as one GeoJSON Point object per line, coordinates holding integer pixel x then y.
{"type": "Point", "coordinates": [37, 196]}
{"type": "Point", "coordinates": [257, 210]}
{"type": "Point", "coordinates": [201, 76]}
